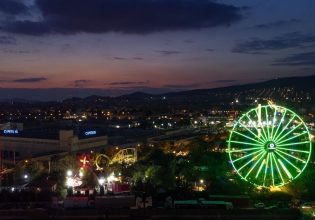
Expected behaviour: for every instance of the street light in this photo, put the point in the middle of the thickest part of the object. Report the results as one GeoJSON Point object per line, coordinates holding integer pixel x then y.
{"type": "Point", "coordinates": [101, 181]}
{"type": "Point", "coordinates": [69, 173]}
{"type": "Point", "coordinates": [81, 174]}
{"type": "Point", "coordinates": [25, 176]}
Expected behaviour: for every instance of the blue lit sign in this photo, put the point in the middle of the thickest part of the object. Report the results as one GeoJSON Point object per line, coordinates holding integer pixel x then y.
{"type": "Point", "coordinates": [88, 133]}
{"type": "Point", "coordinates": [10, 131]}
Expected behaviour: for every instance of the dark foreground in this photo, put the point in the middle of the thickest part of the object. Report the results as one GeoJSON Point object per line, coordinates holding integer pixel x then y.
{"type": "Point", "coordinates": [117, 214]}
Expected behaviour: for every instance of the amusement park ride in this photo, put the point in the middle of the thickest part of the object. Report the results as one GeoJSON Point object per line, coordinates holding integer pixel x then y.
{"type": "Point", "coordinates": [126, 156]}
{"type": "Point", "coordinates": [99, 163]}
{"type": "Point", "coordinates": [269, 146]}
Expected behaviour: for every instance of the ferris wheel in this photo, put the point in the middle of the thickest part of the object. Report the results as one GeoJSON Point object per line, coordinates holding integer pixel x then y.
{"type": "Point", "coordinates": [269, 146]}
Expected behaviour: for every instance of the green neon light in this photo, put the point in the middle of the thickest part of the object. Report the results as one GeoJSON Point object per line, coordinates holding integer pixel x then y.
{"type": "Point", "coordinates": [289, 155]}
{"type": "Point", "coordinates": [286, 160]}
{"type": "Point", "coordinates": [247, 149]}
{"type": "Point", "coordinates": [291, 146]}
{"type": "Point", "coordinates": [285, 169]}
{"type": "Point", "coordinates": [272, 174]}
{"type": "Point", "coordinates": [246, 143]}
{"type": "Point", "coordinates": [260, 168]}
{"type": "Point", "coordinates": [267, 120]}
{"type": "Point", "coordinates": [260, 142]}
{"type": "Point", "coordinates": [261, 138]}
{"type": "Point", "coordinates": [279, 139]}
{"type": "Point", "coordinates": [248, 155]}
{"type": "Point", "coordinates": [254, 158]}
{"type": "Point", "coordinates": [279, 172]}
{"type": "Point", "coordinates": [293, 150]}
{"type": "Point", "coordinates": [266, 169]}
{"type": "Point", "coordinates": [279, 124]}
{"type": "Point", "coordinates": [249, 130]}
{"type": "Point", "coordinates": [273, 123]}
{"type": "Point", "coordinates": [263, 130]}
{"type": "Point", "coordinates": [262, 157]}
{"type": "Point", "coordinates": [285, 127]}
{"type": "Point", "coordinates": [291, 138]}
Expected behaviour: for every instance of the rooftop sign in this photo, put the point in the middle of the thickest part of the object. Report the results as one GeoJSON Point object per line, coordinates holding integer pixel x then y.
{"type": "Point", "coordinates": [88, 133]}
{"type": "Point", "coordinates": [10, 131]}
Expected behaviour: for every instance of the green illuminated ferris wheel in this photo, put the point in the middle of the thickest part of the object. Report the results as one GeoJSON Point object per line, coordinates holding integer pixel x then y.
{"type": "Point", "coordinates": [269, 146]}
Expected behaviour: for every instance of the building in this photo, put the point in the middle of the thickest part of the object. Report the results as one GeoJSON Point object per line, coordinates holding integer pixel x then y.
{"type": "Point", "coordinates": [18, 144]}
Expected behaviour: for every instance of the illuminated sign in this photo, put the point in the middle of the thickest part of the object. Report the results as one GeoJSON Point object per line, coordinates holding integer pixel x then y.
{"type": "Point", "coordinates": [10, 131]}
{"type": "Point", "coordinates": [84, 161]}
{"type": "Point", "coordinates": [87, 133]}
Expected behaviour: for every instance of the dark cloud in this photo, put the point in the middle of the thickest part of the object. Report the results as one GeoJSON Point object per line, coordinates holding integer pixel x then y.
{"type": "Point", "coordinates": [186, 86]}
{"type": "Point", "coordinates": [137, 58]}
{"type": "Point", "coordinates": [168, 52]}
{"type": "Point", "coordinates": [275, 24]}
{"type": "Point", "coordinates": [127, 83]}
{"type": "Point", "coordinates": [125, 58]}
{"type": "Point", "coordinates": [188, 41]}
{"type": "Point", "coordinates": [299, 59]}
{"type": "Point", "coordinates": [16, 51]}
{"type": "Point", "coordinates": [30, 80]}
{"type": "Point", "coordinates": [285, 41]}
{"type": "Point", "coordinates": [210, 50]}
{"type": "Point", "coordinates": [13, 7]}
{"type": "Point", "coordinates": [27, 27]}
{"type": "Point", "coordinates": [125, 16]}
{"type": "Point", "coordinates": [81, 83]}
{"type": "Point", "coordinates": [7, 40]}
{"type": "Point", "coordinates": [120, 58]}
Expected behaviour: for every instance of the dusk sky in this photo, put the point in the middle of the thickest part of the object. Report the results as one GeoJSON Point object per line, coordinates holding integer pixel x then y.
{"type": "Point", "coordinates": [153, 45]}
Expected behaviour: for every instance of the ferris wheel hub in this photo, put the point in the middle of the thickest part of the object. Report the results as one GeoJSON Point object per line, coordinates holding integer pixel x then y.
{"type": "Point", "coordinates": [270, 146]}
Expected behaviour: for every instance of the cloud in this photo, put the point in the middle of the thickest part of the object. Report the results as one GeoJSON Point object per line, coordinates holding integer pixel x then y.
{"type": "Point", "coordinates": [7, 40]}
{"type": "Point", "coordinates": [188, 41]}
{"type": "Point", "coordinates": [299, 59]}
{"type": "Point", "coordinates": [168, 52]}
{"type": "Point", "coordinates": [125, 58]}
{"type": "Point", "coordinates": [210, 50]}
{"type": "Point", "coordinates": [275, 24]}
{"type": "Point", "coordinates": [122, 83]}
{"type": "Point", "coordinates": [186, 86]}
{"type": "Point", "coordinates": [124, 16]}
{"type": "Point", "coordinates": [13, 7]}
{"type": "Point", "coordinates": [285, 41]}
{"type": "Point", "coordinates": [226, 81]}
{"type": "Point", "coordinates": [120, 58]}
{"type": "Point", "coordinates": [81, 83]}
{"type": "Point", "coordinates": [30, 80]}
{"type": "Point", "coordinates": [16, 51]}
{"type": "Point", "coordinates": [137, 58]}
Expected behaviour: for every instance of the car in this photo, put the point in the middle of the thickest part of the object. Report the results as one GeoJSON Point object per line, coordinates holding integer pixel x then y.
{"type": "Point", "coordinates": [259, 205]}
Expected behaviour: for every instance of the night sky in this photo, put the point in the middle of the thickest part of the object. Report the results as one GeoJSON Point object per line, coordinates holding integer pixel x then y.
{"type": "Point", "coordinates": [123, 46]}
